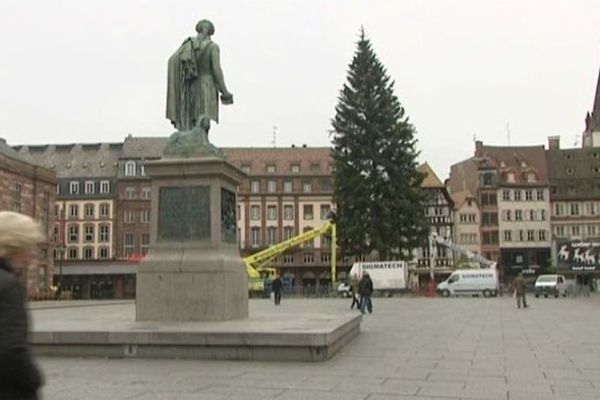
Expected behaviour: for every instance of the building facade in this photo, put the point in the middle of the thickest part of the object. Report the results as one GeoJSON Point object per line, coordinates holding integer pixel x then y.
{"type": "Point", "coordinates": [466, 223]}
{"type": "Point", "coordinates": [84, 215]}
{"type": "Point", "coordinates": [438, 209]}
{"type": "Point", "coordinates": [30, 189]}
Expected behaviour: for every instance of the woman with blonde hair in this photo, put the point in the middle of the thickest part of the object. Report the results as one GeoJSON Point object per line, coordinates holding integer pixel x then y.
{"type": "Point", "coordinates": [20, 377]}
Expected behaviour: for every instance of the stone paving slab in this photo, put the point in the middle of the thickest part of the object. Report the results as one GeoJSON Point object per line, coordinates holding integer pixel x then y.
{"type": "Point", "coordinates": [410, 348]}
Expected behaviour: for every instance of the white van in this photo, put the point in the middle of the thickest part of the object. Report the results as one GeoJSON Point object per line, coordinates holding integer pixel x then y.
{"type": "Point", "coordinates": [470, 282]}
{"type": "Point", "coordinates": [554, 285]}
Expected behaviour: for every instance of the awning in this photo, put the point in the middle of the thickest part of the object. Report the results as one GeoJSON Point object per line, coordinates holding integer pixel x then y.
{"type": "Point", "coordinates": [91, 269]}
{"type": "Point", "coordinates": [308, 275]}
{"type": "Point", "coordinates": [325, 275]}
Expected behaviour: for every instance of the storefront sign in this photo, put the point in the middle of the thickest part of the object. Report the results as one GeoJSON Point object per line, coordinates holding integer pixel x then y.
{"type": "Point", "coordinates": [579, 256]}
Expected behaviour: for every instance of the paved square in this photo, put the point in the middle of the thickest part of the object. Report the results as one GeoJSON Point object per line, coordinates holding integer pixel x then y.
{"type": "Point", "coordinates": [410, 348]}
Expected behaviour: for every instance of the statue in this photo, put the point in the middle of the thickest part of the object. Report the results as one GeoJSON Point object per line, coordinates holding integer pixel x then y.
{"type": "Point", "coordinates": [195, 80]}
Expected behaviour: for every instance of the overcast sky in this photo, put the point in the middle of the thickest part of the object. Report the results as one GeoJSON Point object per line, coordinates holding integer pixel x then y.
{"type": "Point", "coordinates": [90, 71]}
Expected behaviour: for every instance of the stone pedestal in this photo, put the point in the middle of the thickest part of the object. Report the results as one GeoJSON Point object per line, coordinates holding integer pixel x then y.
{"type": "Point", "coordinates": [193, 271]}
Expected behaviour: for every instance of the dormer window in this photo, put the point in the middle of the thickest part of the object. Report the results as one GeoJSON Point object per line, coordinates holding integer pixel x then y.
{"type": "Point", "coordinates": [295, 168]}
{"type": "Point", "coordinates": [531, 177]}
{"type": "Point", "coordinates": [74, 187]}
{"type": "Point", "coordinates": [130, 168]}
{"type": "Point", "coordinates": [271, 168]}
{"type": "Point", "coordinates": [246, 169]}
{"type": "Point", "coordinates": [510, 177]}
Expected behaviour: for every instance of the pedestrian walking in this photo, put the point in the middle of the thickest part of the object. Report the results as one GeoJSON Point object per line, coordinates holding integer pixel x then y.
{"type": "Point", "coordinates": [354, 292]}
{"type": "Point", "coordinates": [277, 286]}
{"type": "Point", "coordinates": [519, 286]}
{"type": "Point", "coordinates": [20, 377]}
{"type": "Point", "coordinates": [365, 289]}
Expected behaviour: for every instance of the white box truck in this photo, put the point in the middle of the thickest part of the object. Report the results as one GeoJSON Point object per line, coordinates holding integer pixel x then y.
{"type": "Point", "coordinates": [482, 281]}
{"type": "Point", "coordinates": [388, 276]}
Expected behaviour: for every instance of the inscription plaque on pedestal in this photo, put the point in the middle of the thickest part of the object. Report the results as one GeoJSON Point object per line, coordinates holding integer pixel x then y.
{"type": "Point", "coordinates": [183, 213]}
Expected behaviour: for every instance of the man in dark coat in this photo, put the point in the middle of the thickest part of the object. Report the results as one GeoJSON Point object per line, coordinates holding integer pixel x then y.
{"type": "Point", "coordinates": [365, 289]}
{"type": "Point", "coordinates": [20, 378]}
{"type": "Point", "coordinates": [277, 286]}
{"type": "Point", "coordinates": [519, 285]}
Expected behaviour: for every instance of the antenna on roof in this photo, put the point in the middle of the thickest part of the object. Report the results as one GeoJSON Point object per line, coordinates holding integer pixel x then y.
{"type": "Point", "coordinates": [274, 141]}
{"type": "Point", "coordinates": [508, 132]}
{"type": "Point", "coordinates": [576, 142]}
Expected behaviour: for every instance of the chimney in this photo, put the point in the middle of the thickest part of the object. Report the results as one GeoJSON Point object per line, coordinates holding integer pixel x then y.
{"type": "Point", "coordinates": [478, 148]}
{"type": "Point", "coordinates": [553, 142]}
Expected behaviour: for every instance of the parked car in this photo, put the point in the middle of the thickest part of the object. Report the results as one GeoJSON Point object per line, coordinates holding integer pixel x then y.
{"type": "Point", "coordinates": [554, 285]}
{"type": "Point", "coordinates": [344, 289]}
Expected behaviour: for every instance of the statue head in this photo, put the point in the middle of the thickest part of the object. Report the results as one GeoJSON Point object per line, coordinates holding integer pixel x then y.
{"type": "Point", "coordinates": [205, 26]}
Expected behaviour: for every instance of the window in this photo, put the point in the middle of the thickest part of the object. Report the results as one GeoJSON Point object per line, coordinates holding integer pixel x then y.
{"type": "Point", "coordinates": [128, 216]}
{"type": "Point", "coordinates": [89, 187]}
{"type": "Point", "coordinates": [560, 231]}
{"type": "Point", "coordinates": [271, 168]}
{"type": "Point", "coordinates": [591, 230]}
{"type": "Point", "coordinates": [130, 168]}
{"type": "Point", "coordinates": [543, 215]}
{"type": "Point", "coordinates": [288, 232]}
{"type": "Point", "coordinates": [295, 168]}
{"type": "Point", "coordinates": [88, 210]}
{"type": "Point", "coordinates": [518, 215]}
{"type": "Point", "coordinates": [325, 184]}
{"type": "Point", "coordinates": [517, 194]}
{"type": "Point", "coordinates": [508, 215]}
{"type": "Point", "coordinates": [145, 243]}
{"type": "Point", "coordinates": [288, 258]}
{"type": "Point", "coordinates": [510, 177]}
{"type": "Point", "coordinates": [146, 193]}
{"type": "Point", "coordinates": [541, 235]}
{"type": "Point", "coordinates": [325, 258]}
{"type": "Point", "coordinates": [255, 186]}
{"type": "Point", "coordinates": [488, 199]}
{"type": "Point", "coordinates": [590, 208]}
{"type": "Point", "coordinates": [145, 216]}
{"type": "Point", "coordinates": [104, 210]}
{"type": "Point", "coordinates": [489, 218]}
{"type": "Point", "coordinates": [271, 235]}
{"type": "Point", "coordinates": [73, 187]}
{"type": "Point", "coordinates": [272, 212]}
{"type": "Point", "coordinates": [574, 208]}
{"type": "Point", "coordinates": [506, 195]}
{"type": "Point", "coordinates": [287, 186]}
{"type": "Point", "coordinates": [255, 236]}
{"type": "Point", "coordinates": [575, 230]}
{"type": "Point", "coordinates": [532, 215]}
{"type": "Point", "coordinates": [288, 212]}
{"type": "Point", "coordinates": [570, 171]}
{"type": "Point", "coordinates": [490, 237]}
{"type": "Point", "coordinates": [142, 170]}
{"type": "Point", "coordinates": [88, 233]}
{"type": "Point", "coordinates": [88, 253]}
{"type": "Point", "coordinates": [271, 186]}
{"type": "Point", "coordinates": [540, 194]}
{"type": "Point", "coordinates": [521, 235]}
{"type": "Point", "coordinates": [507, 236]}
{"type": "Point", "coordinates": [73, 211]}
{"type": "Point", "coordinates": [559, 209]}
{"type": "Point", "coordinates": [73, 233]}
{"type": "Point", "coordinates": [255, 213]}
{"type": "Point", "coordinates": [307, 186]}
{"type": "Point", "coordinates": [530, 235]}
{"type": "Point", "coordinates": [325, 211]}
{"type": "Point", "coordinates": [104, 187]}
{"type": "Point", "coordinates": [72, 253]}
{"type": "Point", "coordinates": [529, 195]}
{"type": "Point", "coordinates": [308, 243]}
{"type": "Point", "coordinates": [103, 253]}
{"type": "Point", "coordinates": [314, 167]}
{"type": "Point", "coordinates": [488, 179]}
{"type": "Point", "coordinates": [104, 235]}
{"type": "Point", "coordinates": [308, 211]}
{"type": "Point", "coordinates": [308, 258]}
{"type": "Point", "coordinates": [16, 205]}
{"type": "Point", "coordinates": [130, 193]}
{"type": "Point", "coordinates": [531, 177]}
{"type": "Point", "coordinates": [128, 245]}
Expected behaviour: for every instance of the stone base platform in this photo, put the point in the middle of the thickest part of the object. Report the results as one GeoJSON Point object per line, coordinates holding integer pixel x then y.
{"type": "Point", "coordinates": [109, 329]}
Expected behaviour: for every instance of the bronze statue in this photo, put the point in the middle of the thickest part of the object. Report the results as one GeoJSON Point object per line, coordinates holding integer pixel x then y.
{"type": "Point", "coordinates": [195, 80]}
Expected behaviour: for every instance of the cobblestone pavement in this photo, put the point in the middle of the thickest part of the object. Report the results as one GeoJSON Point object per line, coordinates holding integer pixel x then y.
{"type": "Point", "coordinates": [410, 348]}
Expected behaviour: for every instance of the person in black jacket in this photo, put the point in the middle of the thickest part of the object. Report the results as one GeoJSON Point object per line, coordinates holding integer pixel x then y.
{"type": "Point", "coordinates": [365, 289]}
{"type": "Point", "coordinates": [20, 378]}
{"type": "Point", "coordinates": [277, 286]}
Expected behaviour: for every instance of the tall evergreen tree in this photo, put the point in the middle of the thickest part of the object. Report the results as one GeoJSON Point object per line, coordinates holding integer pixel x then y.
{"type": "Point", "coordinates": [376, 182]}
